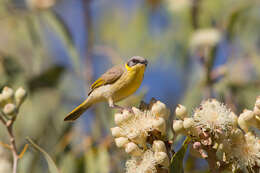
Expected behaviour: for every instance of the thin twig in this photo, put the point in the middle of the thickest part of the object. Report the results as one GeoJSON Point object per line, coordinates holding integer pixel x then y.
{"type": "Point", "coordinates": [9, 126]}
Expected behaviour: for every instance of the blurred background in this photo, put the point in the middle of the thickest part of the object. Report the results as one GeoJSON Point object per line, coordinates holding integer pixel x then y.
{"type": "Point", "coordinates": [55, 49]}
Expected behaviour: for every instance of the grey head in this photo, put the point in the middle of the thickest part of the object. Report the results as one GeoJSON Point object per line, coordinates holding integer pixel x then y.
{"type": "Point", "coordinates": [136, 60]}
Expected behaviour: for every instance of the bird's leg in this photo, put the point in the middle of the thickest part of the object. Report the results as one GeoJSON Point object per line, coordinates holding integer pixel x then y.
{"type": "Point", "coordinates": [114, 106]}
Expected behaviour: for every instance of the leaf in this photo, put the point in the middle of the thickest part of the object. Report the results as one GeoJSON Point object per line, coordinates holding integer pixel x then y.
{"type": "Point", "coordinates": [52, 166]}
{"type": "Point", "coordinates": [234, 16]}
{"type": "Point", "coordinates": [47, 79]}
{"type": "Point", "coordinates": [61, 28]}
{"type": "Point", "coordinates": [177, 159]}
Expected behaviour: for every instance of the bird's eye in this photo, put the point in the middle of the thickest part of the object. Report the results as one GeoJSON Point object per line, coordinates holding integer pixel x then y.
{"type": "Point", "coordinates": [135, 61]}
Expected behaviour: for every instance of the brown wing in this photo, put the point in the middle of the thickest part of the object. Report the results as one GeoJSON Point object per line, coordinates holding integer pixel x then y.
{"type": "Point", "coordinates": [108, 77]}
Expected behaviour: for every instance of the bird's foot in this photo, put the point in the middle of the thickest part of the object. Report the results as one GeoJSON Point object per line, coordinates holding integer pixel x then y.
{"type": "Point", "coordinates": [122, 108]}
{"type": "Point", "coordinates": [129, 109]}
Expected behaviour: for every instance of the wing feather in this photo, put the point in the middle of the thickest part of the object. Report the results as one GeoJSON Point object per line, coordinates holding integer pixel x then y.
{"type": "Point", "coordinates": [109, 77]}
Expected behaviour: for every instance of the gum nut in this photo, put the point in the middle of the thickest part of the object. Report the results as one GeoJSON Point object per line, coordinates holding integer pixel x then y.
{"type": "Point", "coordinates": [188, 123]}
{"type": "Point", "coordinates": [121, 142]}
{"type": "Point", "coordinates": [177, 126]}
{"type": "Point", "coordinates": [181, 112]}
{"type": "Point", "coordinates": [7, 93]}
{"type": "Point", "coordinates": [257, 110]}
{"type": "Point", "coordinates": [203, 153]}
{"type": "Point", "coordinates": [159, 146]}
{"type": "Point", "coordinates": [132, 149]}
{"type": "Point", "coordinates": [196, 145]}
{"type": "Point", "coordinates": [257, 103]}
{"type": "Point", "coordinates": [160, 124]}
{"type": "Point", "coordinates": [20, 95]}
{"type": "Point", "coordinates": [9, 109]}
{"type": "Point", "coordinates": [159, 109]}
{"type": "Point", "coordinates": [162, 159]}
{"type": "Point", "coordinates": [117, 132]}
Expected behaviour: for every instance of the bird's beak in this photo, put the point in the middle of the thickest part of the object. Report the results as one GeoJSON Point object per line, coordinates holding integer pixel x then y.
{"type": "Point", "coordinates": [145, 63]}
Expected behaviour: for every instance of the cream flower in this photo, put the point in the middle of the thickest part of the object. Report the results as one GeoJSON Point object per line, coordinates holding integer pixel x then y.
{"type": "Point", "coordinates": [144, 164]}
{"type": "Point", "coordinates": [214, 116]}
{"type": "Point", "coordinates": [205, 37]}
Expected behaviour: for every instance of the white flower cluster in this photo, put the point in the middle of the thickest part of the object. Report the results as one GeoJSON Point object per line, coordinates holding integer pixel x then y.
{"type": "Point", "coordinates": [205, 38]}
{"type": "Point", "coordinates": [141, 133]}
{"type": "Point", "coordinates": [213, 127]}
{"type": "Point", "coordinates": [10, 101]}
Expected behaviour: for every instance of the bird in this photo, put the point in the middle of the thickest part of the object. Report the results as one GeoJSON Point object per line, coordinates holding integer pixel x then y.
{"type": "Point", "coordinates": [114, 85]}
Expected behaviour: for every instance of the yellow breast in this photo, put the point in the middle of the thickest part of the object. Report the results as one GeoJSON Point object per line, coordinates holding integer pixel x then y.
{"type": "Point", "coordinates": [129, 82]}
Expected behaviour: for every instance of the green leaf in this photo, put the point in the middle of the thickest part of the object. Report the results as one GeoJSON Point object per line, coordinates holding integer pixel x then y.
{"type": "Point", "coordinates": [52, 166]}
{"type": "Point", "coordinates": [177, 159]}
{"type": "Point", "coordinates": [234, 16]}
{"type": "Point", "coordinates": [49, 78]}
{"type": "Point", "coordinates": [61, 28]}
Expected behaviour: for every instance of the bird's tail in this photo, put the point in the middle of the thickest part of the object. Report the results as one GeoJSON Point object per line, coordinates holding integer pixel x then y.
{"type": "Point", "coordinates": [78, 111]}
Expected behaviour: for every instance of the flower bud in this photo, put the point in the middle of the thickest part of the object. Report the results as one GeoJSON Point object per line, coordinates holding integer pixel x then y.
{"type": "Point", "coordinates": [132, 149]}
{"type": "Point", "coordinates": [159, 146]}
{"type": "Point", "coordinates": [138, 138]}
{"type": "Point", "coordinates": [160, 125]}
{"type": "Point", "coordinates": [121, 142]}
{"type": "Point", "coordinates": [178, 126]}
{"type": "Point", "coordinates": [162, 159]}
{"type": "Point", "coordinates": [188, 123]}
{"type": "Point", "coordinates": [159, 109]}
{"type": "Point", "coordinates": [245, 119]}
{"type": "Point", "coordinates": [233, 118]}
{"type": "Point", "coordinates": [9, 109]}
{"type": "Point", "coordinates": [257, 103]}
{"type": "Point", "coordinates": [181, 112]}
{"type": "Point", "coordinates": [122, 117]}
{"type": "Point", "coordinates": [117, 132]}
{"type": "Point", "coordinates": [7, 94]}
{"type": "Point", "coordinates": [40, 4]}
{"type": "Point", "coordinates": [2, 102]}
{"type": "Point", "coordinates": [20, 96]}
{"type": "Point", "coordinates": [257, 110]}
{"type": "Point", "coordinates": [237, 134]}
{"type": "Point", "coordinates": [136, 111]}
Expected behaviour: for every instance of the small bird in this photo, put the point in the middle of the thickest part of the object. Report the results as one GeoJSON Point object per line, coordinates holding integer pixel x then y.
{"type": "Point", "coordinates": [114, 85]}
